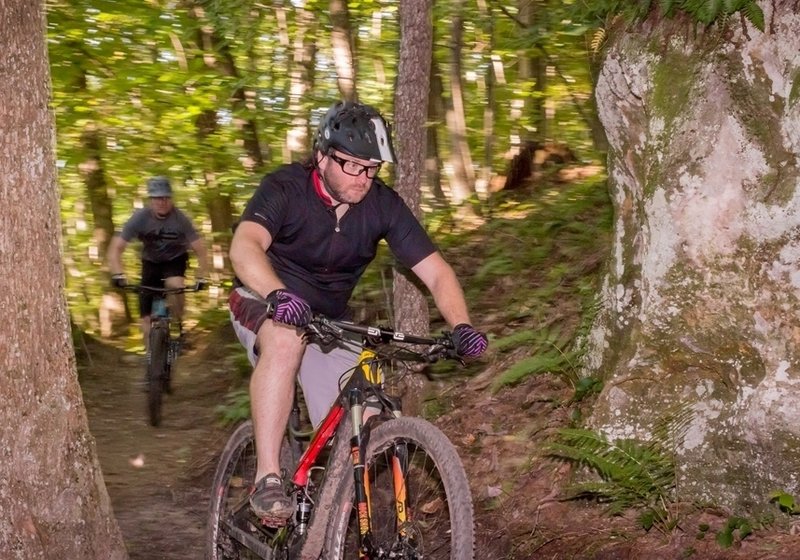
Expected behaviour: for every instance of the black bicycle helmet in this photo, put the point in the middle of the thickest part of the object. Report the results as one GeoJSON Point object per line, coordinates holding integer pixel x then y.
{"type": "Point", "coordinates": [158, 187]}
{"type": "Point", "coordinates": [356, 129]}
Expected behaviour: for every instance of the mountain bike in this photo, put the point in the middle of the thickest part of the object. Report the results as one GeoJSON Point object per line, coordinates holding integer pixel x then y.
{"type": "Point", "coordinates": [390, 487]}
{"type": "Point", "coordinates": [164, 346]}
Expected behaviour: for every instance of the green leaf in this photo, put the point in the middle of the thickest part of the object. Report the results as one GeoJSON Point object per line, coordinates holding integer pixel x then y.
{"type": "Point", "coordinates": [647, 519]}
{"type": "Point", "coordinates": [786, 502]}
{"type": "Point", "coordinates": [754, 15]}
{"type": "Point", "coordinates": [725, 538]}
{"type": "Point", "coordinates": [745, 529]}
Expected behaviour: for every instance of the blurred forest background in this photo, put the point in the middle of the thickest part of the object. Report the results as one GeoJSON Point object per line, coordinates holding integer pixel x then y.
{"type": "Point", "coordinates": [216, 93]}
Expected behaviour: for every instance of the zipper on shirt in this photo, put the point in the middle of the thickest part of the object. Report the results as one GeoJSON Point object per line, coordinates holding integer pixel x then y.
{"type": "Point", "coordinates": [336, 229]}
{"type": "Point", "coordinates": [338, 218]}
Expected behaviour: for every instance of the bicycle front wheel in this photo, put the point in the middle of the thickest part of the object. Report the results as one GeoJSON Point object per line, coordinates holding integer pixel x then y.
{"type": "Point", "coordinates": [156, 369]}
{"type": "Point", "coordinates": [437, 520]}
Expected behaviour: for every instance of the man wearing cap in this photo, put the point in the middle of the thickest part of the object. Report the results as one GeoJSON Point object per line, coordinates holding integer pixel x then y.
{"type": "Point", "coordinates": [166, 234]}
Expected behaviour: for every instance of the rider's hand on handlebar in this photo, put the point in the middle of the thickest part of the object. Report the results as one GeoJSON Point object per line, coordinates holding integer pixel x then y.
{"type": "Point", "coordinates": [119, 280]}
{"type": "Point", "coordinates": [469, 342]}
{"type": "Point", "coordinates": [200, 284]}
{"type": "Point", "coordinates": [289, 308]}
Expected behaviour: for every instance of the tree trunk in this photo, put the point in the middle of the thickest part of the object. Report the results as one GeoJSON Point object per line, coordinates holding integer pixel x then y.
{"type": "Point", "coordinates": [53, 497]}
{"type": "Point", "coordinates": [490, 108]}
{"type": "Point", "coordinates": [343, 45]}
{"type": "Point", "coordinates": [96, 188]}
{"type": "Point", "coordinates": [462, 176]}
{"type": "Point", "coordinates": [532, 14]}
{"type": "Point", "coordinates": [217, 56]}
{"type": "Point", "coordinates": [411, 101]}
{"type": "Point", "coordinates": [113, 314]}
{"type": "Point", "coordinates": [433, 161]}
{"type": "Point", "coordinates": [702, 296]}
{"type": "Point", "coordinates": [301, 76]}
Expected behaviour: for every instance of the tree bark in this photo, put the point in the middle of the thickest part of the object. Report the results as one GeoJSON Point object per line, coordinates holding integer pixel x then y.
{"type": "Point", "coordinates": [411, 102]}
{"type": "Point", "coordinates": [53, 497]}
{"type": "Point", "coordinates": [433, 161]}
{"type": "Point", "coordinates": [96, 188]}
{"type": "Point", "coordinates": [490, 108]}
{"type": "Point", "coordinates": [343, 45]}
{"type": "Point", "coordinates": [113, 313]}
{"type": "Point", "coordinates": [217, 56]}
{"type": "Point", "coordinates": [703, 289]}
{"type": "Point", "coordinates": [301, 77]}
{"type": "Point", "coordinates": [462, 176]}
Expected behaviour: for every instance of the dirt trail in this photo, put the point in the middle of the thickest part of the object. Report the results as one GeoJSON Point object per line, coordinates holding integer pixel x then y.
{"type": "Point", "coordinates": [157, 478]}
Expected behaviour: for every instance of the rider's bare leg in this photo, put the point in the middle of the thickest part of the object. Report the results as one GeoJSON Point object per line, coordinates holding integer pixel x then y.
{"type": "Point", "coordinates": [145, 326]}
{"type": "Point", "coordinates": [271, 390]}
{"type": "Point", "coordinates": [176, 302]}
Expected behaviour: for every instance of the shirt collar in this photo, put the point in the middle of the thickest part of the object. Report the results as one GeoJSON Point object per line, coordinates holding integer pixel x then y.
{"type": "Point", "coordinates": [319, 189]}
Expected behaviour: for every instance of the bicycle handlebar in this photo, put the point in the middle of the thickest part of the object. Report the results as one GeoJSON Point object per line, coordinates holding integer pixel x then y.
{"type": "Point", "coordinates": [138, 288]}
{"type": "Point", "coordinates": [439, 347]}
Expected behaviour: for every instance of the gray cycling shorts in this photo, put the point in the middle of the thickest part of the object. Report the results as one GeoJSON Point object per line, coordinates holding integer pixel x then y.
{"type": "Point", "coordinates": [323, 371]}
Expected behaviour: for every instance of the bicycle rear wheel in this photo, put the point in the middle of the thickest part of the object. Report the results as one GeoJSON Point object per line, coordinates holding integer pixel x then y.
{"type": "Point", "coordinates": [439, 514]}
{"type": "Point", "coordinates": [234, 532]}
{"type": "Point", "coordinates": [156, 371]}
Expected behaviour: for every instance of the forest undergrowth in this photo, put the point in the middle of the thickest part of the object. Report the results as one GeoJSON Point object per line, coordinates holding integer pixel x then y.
{"type": "Point", "coordinates": [544, 485]}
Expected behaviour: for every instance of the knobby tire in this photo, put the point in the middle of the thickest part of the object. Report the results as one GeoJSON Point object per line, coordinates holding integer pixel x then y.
{"type": "Point", "coordinates": [156, 371]}
{"type": "Point", "coordinates": [230, 491]}
{"type": "Point", "coordinates": [439, 500]}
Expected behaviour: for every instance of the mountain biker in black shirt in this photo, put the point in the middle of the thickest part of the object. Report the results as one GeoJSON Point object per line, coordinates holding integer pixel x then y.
{"type": "Point", "coordinates": [304, 240]}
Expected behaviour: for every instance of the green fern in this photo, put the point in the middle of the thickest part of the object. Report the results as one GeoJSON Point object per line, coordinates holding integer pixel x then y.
{"type": "Point", "coordinates": [710, 11]}
{"type": "Point", "coordinates": [549, 356]}
{"type": "Point", "coordinates": [754, 14]}
{"type": "Point", "coordinates": [514, 340]}
{"type": "Point", "coordinates": [668, 7]}
{"type": "Point", "coordinates": [706, 12]}
{"type": "Point", "coordinates": [236, 407]}
{"type": "Point", "coordinates": [553, 352]}
{"type": "Point", "coordinates": [632, 474]}
{"type": "Point", "coordinates": [671, 426]}
{"type": "Point", "coordinates": [552, 362]}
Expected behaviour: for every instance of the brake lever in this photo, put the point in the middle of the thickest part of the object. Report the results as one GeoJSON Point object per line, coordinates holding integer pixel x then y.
{"type": "Point", "coordinates": [321, 329]}
{"type": "Point", "coordinates": [443, 351]}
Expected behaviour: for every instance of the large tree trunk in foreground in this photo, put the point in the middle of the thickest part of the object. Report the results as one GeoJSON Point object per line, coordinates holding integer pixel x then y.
{"type": "Point", "coordinates": [701, 301]}
{"type": "Point", "coordinates": [52, 496]}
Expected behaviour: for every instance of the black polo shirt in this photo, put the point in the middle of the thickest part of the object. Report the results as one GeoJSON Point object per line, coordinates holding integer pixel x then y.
{"type": "Point", "coordinates": [322, 260]}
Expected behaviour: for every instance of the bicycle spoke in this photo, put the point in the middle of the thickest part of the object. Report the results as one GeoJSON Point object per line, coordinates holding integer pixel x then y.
{"type": "Point", "coordinates": [233, 535]}
{"type": "Point", "coordinates": [234, 531]}
{"type": "Point", "coordinates": [436, 521]}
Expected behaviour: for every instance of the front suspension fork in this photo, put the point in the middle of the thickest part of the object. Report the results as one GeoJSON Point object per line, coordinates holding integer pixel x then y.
{"type": "Point", "coordinates": [399, 466]}
{"type": "Point", "coordinates": [360, 477]}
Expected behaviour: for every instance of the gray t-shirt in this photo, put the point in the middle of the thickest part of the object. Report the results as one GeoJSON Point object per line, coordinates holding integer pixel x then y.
{"type": "Point", "coordinates": [163, 239]}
